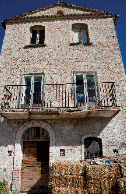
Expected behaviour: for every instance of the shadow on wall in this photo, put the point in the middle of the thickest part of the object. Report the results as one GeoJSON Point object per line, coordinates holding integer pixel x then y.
{"type": "Point", "coordinates": [7, 132]}
{"type": "Point", "coordinates": [64, 127]}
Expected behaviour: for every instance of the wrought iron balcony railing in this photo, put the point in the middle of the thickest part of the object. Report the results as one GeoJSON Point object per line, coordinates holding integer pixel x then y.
{"type": "Point", "coordinates": [60, 96]}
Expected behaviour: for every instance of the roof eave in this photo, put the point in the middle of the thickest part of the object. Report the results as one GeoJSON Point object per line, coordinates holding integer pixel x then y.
{"type": "Point", "coordinates": [115, 18]}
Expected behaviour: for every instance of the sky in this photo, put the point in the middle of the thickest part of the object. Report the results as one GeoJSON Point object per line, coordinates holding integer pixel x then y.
{"type": "Point", "coordinates": [10, 8]}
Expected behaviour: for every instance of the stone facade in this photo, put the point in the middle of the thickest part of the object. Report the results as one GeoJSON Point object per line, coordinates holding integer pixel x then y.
{"type": "Point", "coordinates": [59, 59]}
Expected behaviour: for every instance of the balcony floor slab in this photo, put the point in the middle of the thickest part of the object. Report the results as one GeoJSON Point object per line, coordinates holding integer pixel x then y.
{"type": "Point", "coordinates": [41, 114]}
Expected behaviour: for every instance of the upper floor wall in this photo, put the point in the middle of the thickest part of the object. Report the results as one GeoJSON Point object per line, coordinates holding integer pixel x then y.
{"type": "Point", "coordinates": [60, 53]}
{"type": "Point", "coordinates": [60, 46]}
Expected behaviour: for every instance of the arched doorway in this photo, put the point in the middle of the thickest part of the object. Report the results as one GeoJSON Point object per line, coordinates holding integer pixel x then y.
{"type": "Point", "coordinates": [35, 163]}
{"type": "Point", "coordinates": [92, 147]}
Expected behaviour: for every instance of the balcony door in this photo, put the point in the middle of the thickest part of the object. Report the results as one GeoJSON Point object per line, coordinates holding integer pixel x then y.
{"type": "Point", "coordinates": [85, 89]}
{"type": "Point", "coordinates": [33, 89]}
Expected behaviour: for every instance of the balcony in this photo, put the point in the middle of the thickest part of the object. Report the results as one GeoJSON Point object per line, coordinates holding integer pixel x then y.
{"type": "Point", "coordinates": [51, 101]}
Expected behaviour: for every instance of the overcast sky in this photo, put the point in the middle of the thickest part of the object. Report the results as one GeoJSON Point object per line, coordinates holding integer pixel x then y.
{"type": "Point", "coordinates": [10, 8]}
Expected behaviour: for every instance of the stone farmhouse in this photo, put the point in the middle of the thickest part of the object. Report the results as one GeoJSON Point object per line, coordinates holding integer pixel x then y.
{"type": "Point", "coordinates": [62, 92]}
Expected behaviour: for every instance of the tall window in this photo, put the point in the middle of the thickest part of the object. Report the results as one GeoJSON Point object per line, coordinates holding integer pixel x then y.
{"type": "Point", "coordinates": [33, 89]}
{"type": "Point", "coordinates": [80, 33]}
{"type": "Point", "coordinates": [37, 34]}
{"type": "Point", "coordinates": [85, 87]}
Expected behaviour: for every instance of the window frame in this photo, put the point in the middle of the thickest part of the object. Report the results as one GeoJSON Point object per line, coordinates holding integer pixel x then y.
{"type": "Point", "coordinates": [31, 102]}
{"type": "Point", "coordinates": [87, 153]}
{"type": "Point", "coordinates": [80, 26]}
{"type": "Point", "coordinates": [84, 73]}
{"type": "Point", "coordinates": [38, 28]}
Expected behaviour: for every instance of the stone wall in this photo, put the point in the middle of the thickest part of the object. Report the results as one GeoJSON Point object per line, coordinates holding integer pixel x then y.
{"type": "Point", "coordinates": [69, 135]}
{"type": "Point", "coordinates": [58, 60]}
{"type": "Point", "coordinates": [53, 11]}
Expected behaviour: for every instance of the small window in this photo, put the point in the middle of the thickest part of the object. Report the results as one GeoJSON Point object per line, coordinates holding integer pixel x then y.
{"type": "Point", "coordinates": [62, 152]}
{"type": "Point", "coordinates": [9, 152]}
{"type": "Point", "coordinates": [80, 33]}
{"type": "Point", "coordinates": [93, 147]}
{"type": "Point", "coordinates": [37, 34]}
{"type": "Point", "coordinates": [60, 12]}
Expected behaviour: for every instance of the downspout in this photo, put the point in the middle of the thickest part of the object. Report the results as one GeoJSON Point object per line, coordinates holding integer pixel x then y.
{"type": "Point", "coordinates": [13, 160]}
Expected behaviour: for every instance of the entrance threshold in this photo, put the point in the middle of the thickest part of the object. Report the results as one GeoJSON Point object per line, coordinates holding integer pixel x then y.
{"type": "Point", "coordinates": [45, 190]}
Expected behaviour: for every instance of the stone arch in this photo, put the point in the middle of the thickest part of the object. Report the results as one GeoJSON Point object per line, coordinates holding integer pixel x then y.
{"type": "Point", "coordinates": [18, 149]}
{"type": "Point", "coordinates": [82, 142]}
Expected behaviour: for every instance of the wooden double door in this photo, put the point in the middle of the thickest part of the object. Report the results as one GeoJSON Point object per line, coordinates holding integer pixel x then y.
{"type": "Point", "coordinates": [35, 166]}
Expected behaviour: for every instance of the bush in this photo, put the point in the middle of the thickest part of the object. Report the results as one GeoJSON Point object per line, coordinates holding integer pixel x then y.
{"type": "Point", "coordinates": [3, 187]}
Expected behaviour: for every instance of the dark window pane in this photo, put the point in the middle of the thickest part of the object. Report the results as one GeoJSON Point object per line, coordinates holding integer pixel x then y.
{"type": "Point", "coordinates": [41, 36]}
{"type": "Point", "coordinates": [37, 90]}
{"type": "Point", "coordinates": [91, 88]}
{"type": "Point", "coordinates": [37, 132]}
{"type": "Point", "coordinates": [34, 37]}
{"type": "Point", "coordinates": [93, 147]}
{"type": "Point", "coordinates": [43, 151]}
{"type": "Point", "coordinates": [79, 79]}
{"type": "Point", "coordinates": [79, 89]}
{"type": "Point", "coordinates": [27, 91]}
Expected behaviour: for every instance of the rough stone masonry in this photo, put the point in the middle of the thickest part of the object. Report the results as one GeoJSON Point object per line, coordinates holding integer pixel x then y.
{"type": "Point", "coordinates": [58, 61]}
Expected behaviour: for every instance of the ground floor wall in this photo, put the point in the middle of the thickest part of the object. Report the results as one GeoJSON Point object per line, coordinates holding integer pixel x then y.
{"type": "Point", "coordinates": [66, 141]}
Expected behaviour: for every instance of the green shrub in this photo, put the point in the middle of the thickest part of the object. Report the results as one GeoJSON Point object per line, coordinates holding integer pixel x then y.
{"type": "Point", "coordinates": [3, 187]}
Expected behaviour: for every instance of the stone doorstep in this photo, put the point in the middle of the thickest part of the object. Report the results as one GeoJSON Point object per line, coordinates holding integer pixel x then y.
{"type": "Point", "coordinates": [44, 191]}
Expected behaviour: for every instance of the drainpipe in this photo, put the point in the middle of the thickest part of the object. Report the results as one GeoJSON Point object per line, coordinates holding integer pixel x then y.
{"type": "Point", "coordinates": [13, 161]}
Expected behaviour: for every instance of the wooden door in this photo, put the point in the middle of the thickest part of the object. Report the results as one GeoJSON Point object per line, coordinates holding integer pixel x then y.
{"type": "Point", "coordinates": [35, 166]}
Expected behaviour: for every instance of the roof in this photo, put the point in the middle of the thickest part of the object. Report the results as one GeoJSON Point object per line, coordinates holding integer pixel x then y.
{"type": "Point", "coordinates": [87, 13]}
